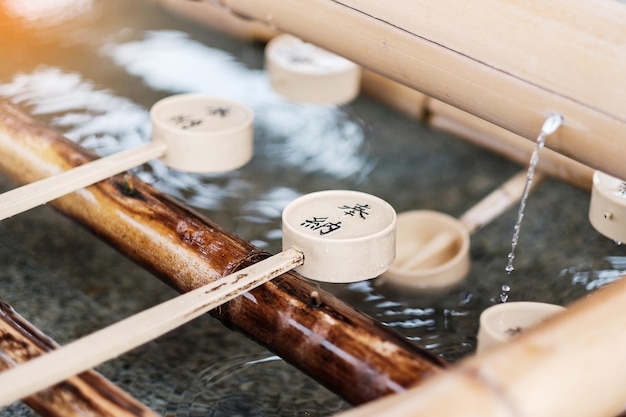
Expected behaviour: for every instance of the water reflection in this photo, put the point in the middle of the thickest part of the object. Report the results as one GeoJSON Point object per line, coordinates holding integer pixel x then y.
{"type": "Point", "coordinates": [96, 119]}
{"type": "Point", "coordinates": [594, 275]}
{"type": "Point", "coordinates": [443, 324]}
{"type": "Point", "coordinates": [321, 139]}
{"type": "Point", "coordinates": [310, 139]}
{"type": "Point", "coordinates": [47, 12]}
{"type": "Point", "coordinates": [252, 386]}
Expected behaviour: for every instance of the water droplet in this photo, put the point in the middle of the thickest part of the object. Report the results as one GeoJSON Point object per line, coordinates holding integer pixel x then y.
{"type": "Point", "coordinates": [504, 296]}
{"type": "Point", "coordinates": [511, 256]}
{"type": "Point", "coordinates": [618, 242]}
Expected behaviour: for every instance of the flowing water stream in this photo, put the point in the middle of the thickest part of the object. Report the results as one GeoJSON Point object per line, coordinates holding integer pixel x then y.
{"type": "Point", "coordinates": [550, 126]}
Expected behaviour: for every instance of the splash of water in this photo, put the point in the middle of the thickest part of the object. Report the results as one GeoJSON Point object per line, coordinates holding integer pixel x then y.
{"type": "Point", "coordinates": [504, 295]}
{"type": "Point", "coordinates": [550, 126]}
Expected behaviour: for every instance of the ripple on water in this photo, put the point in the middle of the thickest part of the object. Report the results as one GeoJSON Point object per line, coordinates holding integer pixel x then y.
{"type": "Point", "coordinates": [594, 275]}
{"type": "Point", "coordinates": [250, 386]}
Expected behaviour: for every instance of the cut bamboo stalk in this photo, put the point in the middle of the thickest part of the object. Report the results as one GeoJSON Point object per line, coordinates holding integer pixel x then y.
{"type": "Point", "coordinates": [415, 104]}
{"type": "Point", "coordinates": [116, 339]}
{"type": "Point", "coordinates": [572, 365]}
{"type": "Point", "coordinates": [291, 317]}
{"type": "Point", "coordinates": [87, 394]}
{"type": "Point", "coordinates": [534, 60]}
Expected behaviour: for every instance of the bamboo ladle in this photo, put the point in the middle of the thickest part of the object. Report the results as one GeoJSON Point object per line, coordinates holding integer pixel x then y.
{"type": "Point", "coordinates": [350, 222]}
{"type": "Point", "coordinates": [112, 341]}
{"type": "Point", "coordinates": [433, 248]}
{"type": "Point", "coordinates": [191, 132]}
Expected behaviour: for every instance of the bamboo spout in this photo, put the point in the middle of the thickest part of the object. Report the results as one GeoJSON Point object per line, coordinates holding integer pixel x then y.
{"type": "Point", "coordinates": [510, 63]}
{"type": "Point", "coordinates": [186, 250]}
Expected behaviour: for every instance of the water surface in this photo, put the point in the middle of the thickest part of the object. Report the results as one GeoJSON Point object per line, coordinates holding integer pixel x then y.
{"type": "Point", "coordinates": [94, 69]}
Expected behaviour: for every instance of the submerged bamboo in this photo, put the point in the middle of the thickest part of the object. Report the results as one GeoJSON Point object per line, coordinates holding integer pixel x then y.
{"type": "Point", "coordinates": [508, 62]}
{"type": "Point", "coordinates": [344, 350]}
{"type": "Point", "coordinates": [86, 394]}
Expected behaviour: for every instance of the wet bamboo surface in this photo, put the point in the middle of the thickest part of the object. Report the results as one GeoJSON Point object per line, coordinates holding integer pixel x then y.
{"type": "Point", "coordinates": [86, 394]}
{"type": "Point", "coordinates": [342, 349]}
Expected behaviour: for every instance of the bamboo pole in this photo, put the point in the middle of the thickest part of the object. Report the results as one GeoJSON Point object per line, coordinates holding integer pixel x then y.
{"type": "Point", "coordinates": [572, 365]}
{"type": "Point", "coordinates": [125, 335]}
{"type": "Point", "coordinates": [407, 100]}
{"type": "Point", "coordinates": [87, 394]}
{"type": "Point", "coordinates": [508, 62]}
{"type": "Point", "coordinates": [342, 349]}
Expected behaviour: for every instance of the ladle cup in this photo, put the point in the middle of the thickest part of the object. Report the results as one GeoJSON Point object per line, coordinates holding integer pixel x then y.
{"type": "Point", "coordinates": [190, 132]}
{"type": "Point", "coordinates": [432, 248]}
{"type": "Point", "coordinates": [303, 72]}
{"type": "Point", "coordinates": [607, 208]}
{"type": "Point", "coordinates": [501, 322]}
{"type": "Point", "coordinates": [345, 235]}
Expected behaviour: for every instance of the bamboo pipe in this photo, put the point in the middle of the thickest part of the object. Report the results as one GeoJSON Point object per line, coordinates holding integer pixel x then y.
{"type": "Point", "coordinates": [407, 100]}
{"type": "Point", "coordinates": [508, 62]}
{"type": "Point", "coordinates": [572, 365]}
{"type": "Point", "coordinates": [87, 394]}
{"type": "Point", "coordinates": [348, 352]}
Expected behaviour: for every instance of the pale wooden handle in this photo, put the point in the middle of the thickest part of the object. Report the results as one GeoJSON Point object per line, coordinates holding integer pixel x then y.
{"type": "Point", "coordinates": [107, 343]}
{"type": "Point", "coordinates": [498, 201]}
{"type": "Point", "coordinates": [40, 192]}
